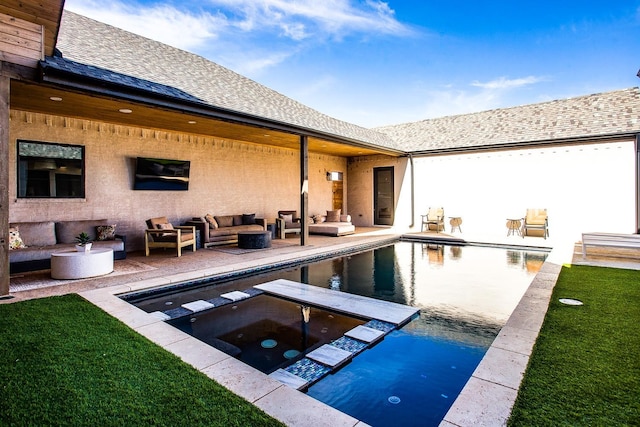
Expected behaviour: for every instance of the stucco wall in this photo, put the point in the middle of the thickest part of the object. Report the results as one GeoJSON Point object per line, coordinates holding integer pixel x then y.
{"type": "Point", "coordinates": [227, 177]}
{"type": "Point", "coordinates": [589, 187]}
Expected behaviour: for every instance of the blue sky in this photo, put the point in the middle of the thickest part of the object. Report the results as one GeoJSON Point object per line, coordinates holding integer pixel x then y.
{"type": "Point", "coordinates": [376, 63]}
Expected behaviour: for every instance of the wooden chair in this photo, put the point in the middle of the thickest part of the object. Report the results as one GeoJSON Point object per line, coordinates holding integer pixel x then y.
{"type": "Point", "coordinates": [160, 233]}
{"type": "Point", "coordinates": [287, 222]}
{"type": "Point", "coordinates": [435, 218]}
{"type": "Point", "coordinates": [536, 219]}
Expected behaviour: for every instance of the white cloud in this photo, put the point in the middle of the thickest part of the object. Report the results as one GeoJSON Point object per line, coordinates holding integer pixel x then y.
{"type": "Point", "coordinates": [161, 22]}
{"type": "Point", "coordinates": [505, 83]}
{"type": "Point", "coordinates": [300, 19]}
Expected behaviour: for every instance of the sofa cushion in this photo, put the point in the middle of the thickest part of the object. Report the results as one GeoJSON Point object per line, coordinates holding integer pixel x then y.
{"type": "Point", "coordinates": [333, 216]}
{"type": "Point", "coordinates": [237, 219]}
{"type": "Point", "coordinates": [248, 219]}
{"type": "Point", "coordinates": [211, 220]}
{"type": "Point", "coordinates": [41, 233]}
{"type": "Point", "coordinates": [66, 231]}
{"type": "Point", "coordinates": [15, 241]}
{"type": "Point", "coordinates": [226, 220]}
{"type": "Point", "coordinates": [106, 232]}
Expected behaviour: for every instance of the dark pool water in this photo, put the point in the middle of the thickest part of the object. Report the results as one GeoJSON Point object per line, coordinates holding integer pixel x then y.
{"type": "Point", "coordinates": [266, 332]}
{"type": "Point", "coordinates": [411, 378]}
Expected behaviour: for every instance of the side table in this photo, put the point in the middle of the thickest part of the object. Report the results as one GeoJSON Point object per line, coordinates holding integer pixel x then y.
{"type": "Point", "coordinates": [514, 225]}
{"type": "Point", "coordinates": [79, 265]}
{"type": "Point", "coordinates": [455, 222]}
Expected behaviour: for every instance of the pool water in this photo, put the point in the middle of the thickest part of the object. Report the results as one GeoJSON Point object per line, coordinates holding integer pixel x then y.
{"type": "Point", "coordinates": [465, 295]}
{"type": "Point", "coordinates": [266, 332]}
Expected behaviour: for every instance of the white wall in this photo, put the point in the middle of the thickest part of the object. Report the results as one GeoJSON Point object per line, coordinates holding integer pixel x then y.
{"type": "Point", "coordinates": [584, 188]}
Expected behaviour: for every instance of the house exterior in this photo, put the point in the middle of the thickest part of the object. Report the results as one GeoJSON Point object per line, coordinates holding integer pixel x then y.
{"type": "Point", "coordinates": [113, 96]}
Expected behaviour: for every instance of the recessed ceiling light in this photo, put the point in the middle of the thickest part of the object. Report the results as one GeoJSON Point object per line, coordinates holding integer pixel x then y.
{"type": "Point", "coordinates": [125, 111]}
{"type": "Point", "coordinates": [192, 122]}
{"type": "Point", "coordinates": [55, 98]}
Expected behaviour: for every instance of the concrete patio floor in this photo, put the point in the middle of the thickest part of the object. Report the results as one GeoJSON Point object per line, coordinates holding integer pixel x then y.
{"type": "Point", "coordinates": [488, 396]}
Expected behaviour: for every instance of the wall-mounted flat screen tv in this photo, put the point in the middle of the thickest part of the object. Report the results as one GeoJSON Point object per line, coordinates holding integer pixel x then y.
{"type": "Point", "coordinates": [161, 174]}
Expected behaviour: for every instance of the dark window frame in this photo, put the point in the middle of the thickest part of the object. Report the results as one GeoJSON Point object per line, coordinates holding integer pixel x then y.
{"type": "Point", "coordinates": [50, 170]}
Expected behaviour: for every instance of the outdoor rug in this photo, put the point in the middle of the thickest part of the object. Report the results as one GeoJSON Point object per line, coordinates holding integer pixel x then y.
{"type": "Point", "coordinates": [42, 278]}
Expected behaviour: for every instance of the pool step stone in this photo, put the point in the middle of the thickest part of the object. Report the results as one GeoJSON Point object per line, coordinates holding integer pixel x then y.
{"type": "Point", "coordinates": [366, 334]}
{"type": "Point", "coordinates": [330, 356]}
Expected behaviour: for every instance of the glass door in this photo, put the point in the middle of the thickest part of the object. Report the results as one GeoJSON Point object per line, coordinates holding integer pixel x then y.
{"type": "Point", "coordinates": [383, 203]}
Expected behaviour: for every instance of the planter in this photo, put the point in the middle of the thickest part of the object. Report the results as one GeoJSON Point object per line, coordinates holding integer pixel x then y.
{"type": "Point", "coordinates": [83, 248]}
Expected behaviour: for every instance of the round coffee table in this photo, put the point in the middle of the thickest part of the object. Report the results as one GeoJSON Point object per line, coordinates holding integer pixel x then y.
{"type": "Point", "coordinates": [79, 265]}
{"type": "Point", "coordinates": [254, 239]}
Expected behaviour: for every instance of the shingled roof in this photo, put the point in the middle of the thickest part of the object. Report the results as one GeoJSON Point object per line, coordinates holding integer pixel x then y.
{"type": "Point", "coordinates": [591, 116]}
{"type": "Point", "coordinates": [95, 48]}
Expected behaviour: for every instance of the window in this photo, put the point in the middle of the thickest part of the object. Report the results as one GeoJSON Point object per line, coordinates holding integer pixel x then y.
{"type": "Point", "coordinates": [50, 170]}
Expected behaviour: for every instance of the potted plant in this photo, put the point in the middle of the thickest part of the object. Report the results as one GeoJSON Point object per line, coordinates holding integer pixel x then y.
{"type": "Point", "coordinates": [83, 242]}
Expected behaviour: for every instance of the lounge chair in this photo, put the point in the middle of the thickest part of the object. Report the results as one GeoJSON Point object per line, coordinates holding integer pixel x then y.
{"type": "Point", "coordinates": [435, 218]}
{"type": "Point", "coordinates": [287, 222]}
{"type": "Point", "coordinates": [536, 219]}
{"type": "Point", "coordinates": [160, 233]}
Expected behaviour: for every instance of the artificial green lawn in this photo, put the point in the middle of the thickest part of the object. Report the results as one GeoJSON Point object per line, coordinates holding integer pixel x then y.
{"type": "Point", "coordinates": [66, 362]}
{"type": "Point", "coordinates": [585, 366]}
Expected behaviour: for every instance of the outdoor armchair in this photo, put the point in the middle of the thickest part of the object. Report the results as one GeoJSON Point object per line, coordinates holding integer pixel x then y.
{"type": "Point", "coordinates": [434, 219]}
{"type": "Point", "coordinates": [536, 219]}
{"type": "Point", "coordinates": [287, 222]}
{"type": "Point", "coordinates": [160, 233]}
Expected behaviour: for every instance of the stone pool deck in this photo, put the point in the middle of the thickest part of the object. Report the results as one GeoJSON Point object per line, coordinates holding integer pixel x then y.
{"type": "Point", "coordinates": [486, 399]}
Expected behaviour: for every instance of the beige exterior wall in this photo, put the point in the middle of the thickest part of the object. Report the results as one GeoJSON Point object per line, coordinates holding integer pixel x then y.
{"type": "Point", "coordinates": [360, 192]}
{"type": "Point", "coordinates": [227, 177]}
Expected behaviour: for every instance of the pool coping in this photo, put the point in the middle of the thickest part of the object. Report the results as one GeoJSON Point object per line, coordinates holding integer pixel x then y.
{"type": "Point", "coordinates": [486, 399]}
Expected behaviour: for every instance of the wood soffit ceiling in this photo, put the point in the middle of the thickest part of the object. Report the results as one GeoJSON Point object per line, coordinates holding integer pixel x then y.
{"type": "Point", "coordinates": [36, 98]}
{"type": "Point", "coordinates": [41, 12]}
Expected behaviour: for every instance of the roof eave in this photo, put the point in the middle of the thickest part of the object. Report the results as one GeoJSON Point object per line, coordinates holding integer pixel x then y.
{"type": "Point", "coordinates": [85, 84]}
{"type": "Point", "coordinates": [528, 144]}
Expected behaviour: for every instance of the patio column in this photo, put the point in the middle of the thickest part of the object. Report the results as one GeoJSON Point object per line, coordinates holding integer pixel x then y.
{"type": "Point", "coordinates": [4, 184]}
{"type": "Point", "coordinates": [304, 189]}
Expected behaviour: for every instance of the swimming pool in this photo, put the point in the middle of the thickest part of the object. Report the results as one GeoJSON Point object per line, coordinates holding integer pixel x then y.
{"type": "Point", "coordinates": [465, 294]}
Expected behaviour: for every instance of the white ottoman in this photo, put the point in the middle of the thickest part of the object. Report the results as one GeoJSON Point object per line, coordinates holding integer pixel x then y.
{"type": "Point", "coordinates": [80, 265]}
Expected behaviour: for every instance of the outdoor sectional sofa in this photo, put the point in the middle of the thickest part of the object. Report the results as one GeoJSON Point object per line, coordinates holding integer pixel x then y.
{"type": "Point", "coordinates": [223, 229]}
{"type": "Point", "coordinates": [46, 237]}
{"type": "Point", "coordinates": [332, 224]}
{"type": "Point", "coordinates": [322, 226]}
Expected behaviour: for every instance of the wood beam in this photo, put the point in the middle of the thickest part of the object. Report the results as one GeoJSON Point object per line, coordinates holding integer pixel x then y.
{"type": "Point", "coordinates": [304, 189]}
{"type": "Point", "coordinates": [4, 184]}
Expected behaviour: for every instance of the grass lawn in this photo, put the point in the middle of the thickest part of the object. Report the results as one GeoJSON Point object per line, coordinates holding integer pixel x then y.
{"type": "Point", "coordinates": [585, 366]}
{"type": "Point", "coordinates": [66, 362]}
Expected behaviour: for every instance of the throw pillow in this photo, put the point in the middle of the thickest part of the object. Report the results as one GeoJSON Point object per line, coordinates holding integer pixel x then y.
{"type": "Point", "coordinates": [237, 219]}
{"type": "Point", "coordinates": [333, 216]}
{"type": "Point", "coordinates": [288, 219]}
{"type": "Point", "coordinates": [106, 232]}
{"type": "Point", "coordinates": [310, 220]}
{"type": "Point", "coordinates": [211, 220]}
{"type": "Point", "coordinates": [224, 221]}
{"type": "Point", "coordinates": [318, 219]}
{"type": "Point", "coordinates": [248, 219]}
{"type": "Point", "coordinates": [165, 227]}
{"type": "Point", "coordinates": [15, 241]}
